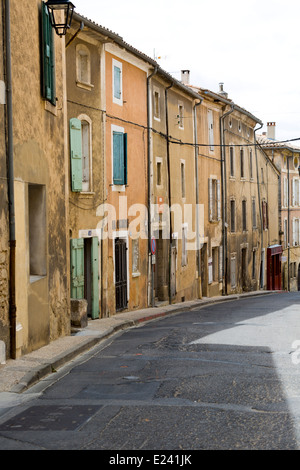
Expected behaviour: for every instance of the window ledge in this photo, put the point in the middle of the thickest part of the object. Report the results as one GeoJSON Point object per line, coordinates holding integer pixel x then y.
{"type": "Point", "coordinates": [137, 274]}
{"type": "Point", "coordinates": [116, 187]}
{"type": "Point", "coordinates": [84, 85]}
{"type": "Point", "coordinates": [50, 108]}
{"type": "Point", "coordinates": [86, 194]}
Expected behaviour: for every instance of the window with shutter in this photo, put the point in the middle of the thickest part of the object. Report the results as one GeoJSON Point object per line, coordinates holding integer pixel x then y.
{"type": "Point", "coordinates": [119, 158]}
{"type": "Point", "coordinates": [210, 129]}
{"type": "Point", "coordinates": [117, 82]}
{"type": "Point", "coordinates": [48, 66]}
{"type": "Point", "coordinates": [76, 154]}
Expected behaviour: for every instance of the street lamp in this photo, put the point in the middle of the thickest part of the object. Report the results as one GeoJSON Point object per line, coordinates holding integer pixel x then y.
{"type": "Point", "coordinates": [55, 7]}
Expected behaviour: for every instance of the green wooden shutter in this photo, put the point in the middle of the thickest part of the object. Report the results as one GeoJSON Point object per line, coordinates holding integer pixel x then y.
{"type": "Point", "coordinates": [48, 78]}
{"type": "Point", "coordinates": [77, 268]}
{"type": "Point", "coordinates": [119, 158]}
{"type": "Point", "coordinates": [95, 277]}
{"type": "Point", "coordinates": [76, 154]}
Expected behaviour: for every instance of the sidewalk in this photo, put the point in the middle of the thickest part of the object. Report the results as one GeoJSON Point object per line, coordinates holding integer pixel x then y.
{"type": "Point", "coordinates": [18, 375]}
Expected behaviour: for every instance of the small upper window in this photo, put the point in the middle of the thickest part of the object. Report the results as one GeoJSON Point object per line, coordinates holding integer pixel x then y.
{"type": "Point", "coordinates": [156, 98]}
{"type": "Point", "coordinates": [83, 67]}
{"type": "Point", "coordinates": [180, 115]}
{"type": "Point", "coordinates": [117, 82]}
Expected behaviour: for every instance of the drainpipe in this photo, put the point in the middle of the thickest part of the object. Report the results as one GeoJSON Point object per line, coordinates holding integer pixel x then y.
{"type": "Point", "coordinates": [289, 215]}
{"type": "Point", "coordinates": [224, 199]}
{"type": "Point", "coordinates": [10, 177]}
{"type": "Point", "coordinates": [197, 199]}
{"type": "Point", "coordinates": [169, 190]}
{"type": "Point", "coordinates": [149, 181]}
{"type": "Point", "coordinates": [259, 205]}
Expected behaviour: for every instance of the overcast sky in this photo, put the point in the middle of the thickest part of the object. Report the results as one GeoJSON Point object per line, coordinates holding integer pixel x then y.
{"type": "Point", "coordinates": [252, 47]}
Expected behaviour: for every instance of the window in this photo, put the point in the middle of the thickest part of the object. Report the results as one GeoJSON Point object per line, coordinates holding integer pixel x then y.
{"type": "Point", "coordinates": [83, 66]}
{"type": "Point", "coordinates": [244, 215]}
{"type": "Point", "coordinates": [85, 141]}
{"type": "Point", "coordinates": [182, 175]}
{"type": "Point", "coordinates": [285, 192]}
{"type": "Point", "coordinates": [180, 115]}
{"type": "Point", "coordinates": [254, 224]}
{"type": "Point", "coordinates": [135, 257]}
{"type": "Point", "coordinates": [158, 172]}
{"type": "Point", "coordinates": [210, 129]}
{"type": "Point", "coordinates": [37, 231]}
{"type": "Point", "coordinates": [48, 63]}
{"type": "Point", "coordinates": [119, 158]}
{"type": "Point", "coordinates": [295, 192]}
{"type": "Point", "coordinates": [265, 215]}
{"type": "Point", "coordinates": [231, 156]}
{"type": "Point", "coordinates": [251, 164]}
{"type": "Point", "coordinates": [232, 215]}
{"type": "Point", "coordinates": [117, 83]}
{"type": "Point", "coordinates": [214, 200]}
{"type": "Point", "coordinates": [156, 99]}
{"type": "Point", "coordinates": [80, 149]}
{"type": "Point", "coordinates": [242, 163]}
{"type": "Point", "coordinates": [295, 232]}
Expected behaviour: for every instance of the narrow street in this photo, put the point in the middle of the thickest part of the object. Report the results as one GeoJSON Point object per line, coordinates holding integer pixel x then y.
{"type": "Point", "coordinates": [221, 377]}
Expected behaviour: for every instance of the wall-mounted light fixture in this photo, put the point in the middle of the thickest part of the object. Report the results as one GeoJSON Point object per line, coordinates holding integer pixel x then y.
{"type": "Point", "coordinates": [55, 7]}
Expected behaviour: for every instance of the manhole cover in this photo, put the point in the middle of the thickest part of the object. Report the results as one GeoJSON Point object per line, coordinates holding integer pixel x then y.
{"type": "Point", "coordinates": [50, 418]}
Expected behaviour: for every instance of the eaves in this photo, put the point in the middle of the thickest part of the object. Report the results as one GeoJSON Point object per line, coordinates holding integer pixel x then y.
{"type": "Point", "coordinates": [104, 35]}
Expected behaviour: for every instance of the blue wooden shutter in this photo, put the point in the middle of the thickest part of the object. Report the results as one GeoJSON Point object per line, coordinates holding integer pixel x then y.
{"type": "Point", "coordinates": [117, 82]}
{"type": "Point", "coordinates": [76, 154]}
{"type": "Point", "coordinates": [125, 157]}
{"type": "Point", "coordinates": [48, 75]}
{"type": "Point", "coordinates": [77, 268]}
{"type": "Point", "coordinates": [119, 158]}
{"type": "Point", "coordinates": [95, 277]}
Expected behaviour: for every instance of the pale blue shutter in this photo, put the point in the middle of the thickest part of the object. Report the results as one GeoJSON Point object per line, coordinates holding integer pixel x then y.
{"type": "Point", "coordinates": [76, 154]}
{"type": "Point", "coordinates": [117, 82]}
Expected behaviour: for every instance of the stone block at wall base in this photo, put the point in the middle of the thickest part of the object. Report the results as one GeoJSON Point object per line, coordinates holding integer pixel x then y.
{"type": "Point", "coordinates": [79, 313]}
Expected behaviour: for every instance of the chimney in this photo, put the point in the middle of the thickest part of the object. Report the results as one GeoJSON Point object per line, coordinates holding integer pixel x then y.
{"type": "Point", "coordinates": [271, 127]}
{"type": "Point", "coordinates": [185, 77]}
{"type": "Point", "coordinates": [221, 90]}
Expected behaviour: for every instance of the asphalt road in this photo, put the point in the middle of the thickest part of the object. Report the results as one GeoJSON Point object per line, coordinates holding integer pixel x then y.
{"type": "Point", "coordinates": [221, 377]}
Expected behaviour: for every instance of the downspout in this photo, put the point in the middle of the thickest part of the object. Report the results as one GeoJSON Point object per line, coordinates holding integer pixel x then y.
{"type": "Point", "coordinates": [169, 190]}
{"type": "Point", "coordinates": [224, 200]}
{"type": "Point", "coordinates": [149, 181]}
{"type": "Point", "coordinates": [10, 177]}
{"type": "Point", "coordinates": [259, 205]}
{"type": "Point", "coordinates": [197, 200]}
{"type": "Point", "coordinates": [289, 214]}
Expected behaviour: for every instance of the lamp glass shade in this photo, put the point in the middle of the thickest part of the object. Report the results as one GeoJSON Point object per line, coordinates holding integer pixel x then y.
{"type": "Point", "coordinates": [60, 12]}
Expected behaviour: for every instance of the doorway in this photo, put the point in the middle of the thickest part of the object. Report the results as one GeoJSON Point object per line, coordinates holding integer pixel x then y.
{"type": "Point", "coordinates": [121, 273]}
